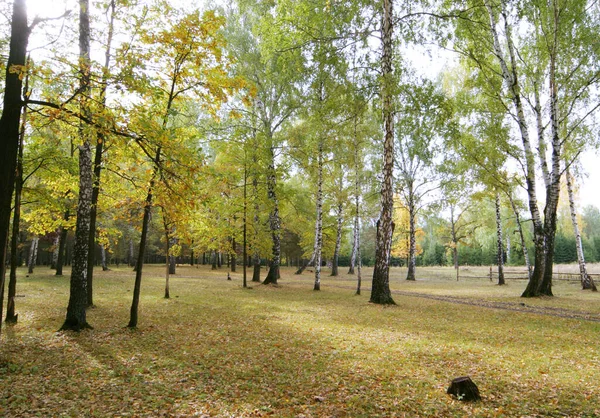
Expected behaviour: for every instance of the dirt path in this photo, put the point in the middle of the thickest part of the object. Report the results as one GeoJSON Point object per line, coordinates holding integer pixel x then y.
{"type": "Point", "coordinates": [507, 306]}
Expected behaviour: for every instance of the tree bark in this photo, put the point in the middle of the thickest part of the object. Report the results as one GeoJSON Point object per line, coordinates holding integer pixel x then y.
{"type": "Point", "coordinates": [412, 239]}
{"type": "Point", "coordinates": [78, 299]}
{"type": "Point", "coordinates": [33, 252]}
{"type": "Point", "coordinates": [103, 258]}
{"type": "Point", "coordinates": [380, 290]}
{"type": "Point", "coordinates": [9, 126]}
{"type": "Point", "coordinates": [319, 221]}
{"type": "Point", "coordinates": [521, 235]}
{"type": "Point", "coordinates": [274, 221]}
{"type": "Point", "coordinates": [133, 312]}
{"type": "Point", "coordinates": [338, 240]}
{"type": "Point", "coordinates": [11, 316]}
{"type": "Point", "coordinates": [62, 246]}
{"type": "Point", "coordinates": [500, 254]}
{"type": "Point", "coordinates": [511, 79]}
{"type": "Point", "coordinates": [587, 283]}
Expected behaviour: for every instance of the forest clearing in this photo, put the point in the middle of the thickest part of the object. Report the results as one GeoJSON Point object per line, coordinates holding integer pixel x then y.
{"type": "Point", "coordinates": [215, 349]}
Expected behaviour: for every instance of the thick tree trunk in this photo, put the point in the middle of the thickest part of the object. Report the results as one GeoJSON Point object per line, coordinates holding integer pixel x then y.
{"type": "Point", "coordinates": [9, 127]}
{"type": "Point", "coordinates": [500, 255]}
{"type": "Point", "coordinates": [256, 269]}
{"type": "Point", "coordinates": [274, 222]}
{"type": "Point", "coordinates": [338, 240]}
{"type": "Point", "coordinates": [78, 300]}
{"type": "Point", "coordinates": [33, 253]}
{"type": "Point", "coordinates": [11, 316]}
{"type": "Point", "coordinates": [213, 258]}
{"type": "Point", "coordinates": [534, 287]}
{"type": "Point", "coordinates": [587, 282]}
{"type": "Point", "coordinates": [380, 290]}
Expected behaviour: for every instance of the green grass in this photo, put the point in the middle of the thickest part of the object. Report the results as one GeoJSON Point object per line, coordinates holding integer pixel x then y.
{"type": "Point", "coordinates": [216, 349]}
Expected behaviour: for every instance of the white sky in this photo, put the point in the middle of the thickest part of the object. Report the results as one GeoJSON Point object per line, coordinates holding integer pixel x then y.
{"type": "Point", "coordinates": [589, 192]}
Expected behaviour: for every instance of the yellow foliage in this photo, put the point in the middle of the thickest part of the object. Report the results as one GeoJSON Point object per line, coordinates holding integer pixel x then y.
{"type": "Point", "coordinates": [401, 238]}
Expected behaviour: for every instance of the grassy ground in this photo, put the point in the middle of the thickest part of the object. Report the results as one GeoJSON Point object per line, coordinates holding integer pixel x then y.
{"type": "Point", "coordinates": [216, 349]}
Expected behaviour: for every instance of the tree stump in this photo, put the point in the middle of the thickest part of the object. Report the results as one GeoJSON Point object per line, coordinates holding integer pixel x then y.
{"type": "Point", "coordinates": [464, 389]}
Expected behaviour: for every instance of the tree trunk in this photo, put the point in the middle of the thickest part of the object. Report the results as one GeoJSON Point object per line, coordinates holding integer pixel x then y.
{"type": "Point", "coordinates": [412, 240]}
{"type": "Point", "coordinates": [167, 259]}
{"type": "Point", "coordinates": [133, 313]}
{"type": "Point", "coordinates": [172, 264]}
{"type": "Point", "coordinates": [338, 240]}
{"type": "Point", "coordinates": [233, 255]}
{"type": "Point", "coordinates": [62, 246]}
{"type": "Point", "coordinates": [33, 252]}
{"type": "Point", "coordinates": [213, 258]}
{"type": "Point", "coordinates": [9, 127]}
{"type": "Point", "coordinates": [358, 253]}
{"type": "Point", "coordinates": [319, 220]}
{"type": "Point", "coordinates": [380, 290]}
{"type": "Point", "coordinates": [521, 235]}
{"type": "Point", "coordinates": [587, 282]}
{"type": "Point", "coordinates": [78, 300]}
{"type": "Point", "coordinates": [274, 221]}
{"type": "Point", "coordinates": [103, 257]}
{"type": "Point", "coordinates": [500, 255]}
{"type": "Point", "coordinates": [11, 316]}
{"type": "Point", "coordinates": [55, 246]}
{"type": "Point", "coordinates": [356, 229]}
{"type": "Point", "coordinates": [512, 81]}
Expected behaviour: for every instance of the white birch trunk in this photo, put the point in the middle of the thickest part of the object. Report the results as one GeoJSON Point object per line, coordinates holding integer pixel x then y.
{"type": "Point", "coordinates": [586, 281]}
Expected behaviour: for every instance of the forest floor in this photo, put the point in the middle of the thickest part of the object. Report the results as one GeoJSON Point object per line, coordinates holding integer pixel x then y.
{"type": "Point", "coordinates": [215, 349]}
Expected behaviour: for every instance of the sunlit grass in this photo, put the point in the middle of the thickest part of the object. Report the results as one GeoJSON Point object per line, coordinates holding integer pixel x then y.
{"type": "Point", "coordinates": [216, 349]}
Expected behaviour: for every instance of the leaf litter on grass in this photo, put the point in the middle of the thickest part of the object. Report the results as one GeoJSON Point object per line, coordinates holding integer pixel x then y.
{"type": "Point", "coordinates": [220, 351]}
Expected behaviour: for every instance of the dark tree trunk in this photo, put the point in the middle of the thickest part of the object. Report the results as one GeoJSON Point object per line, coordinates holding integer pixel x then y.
{"type": "Point", "coordinates": [233, 260]}
{"type": "Point", "coordinates": [305, 264]}
{"type": "Point", "coordinates": [380, 290]}
{"type": "Point", "coordinates": [9, 127]}
{"type": "Point", "coordinates": [412, 242]}
{"type": "Point", "coordinates": [192, 254]}
{"type": "Point", "coordinates": [214, 260]}
{"type": "Point", "coordinates": [500, 253]}
{"type": "Point", "coordinates": [256, 270]}
{"type": "Point", "coordinates": [133, 313]}
{"type": "Point", "coordinates": [11, 316]}
{"type": "Point", "coordinates": [98, 166]}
